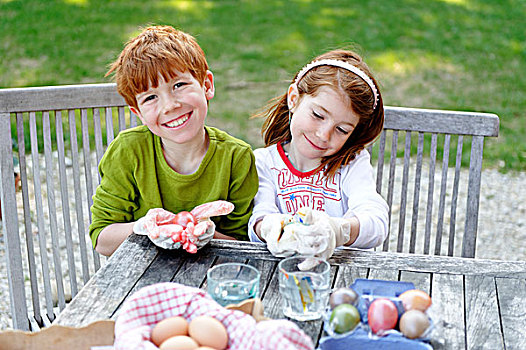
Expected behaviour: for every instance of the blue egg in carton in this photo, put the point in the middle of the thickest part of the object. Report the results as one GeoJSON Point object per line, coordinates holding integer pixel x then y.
{"type": "Point", "coordinates": [361, 338]}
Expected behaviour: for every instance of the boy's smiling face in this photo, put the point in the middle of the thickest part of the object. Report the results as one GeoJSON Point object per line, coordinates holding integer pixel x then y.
{"type": "Point", "coordinates": [176, 109]}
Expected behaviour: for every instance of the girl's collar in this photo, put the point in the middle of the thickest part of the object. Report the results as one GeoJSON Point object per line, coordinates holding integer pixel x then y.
{"type": "Point", "coordinates": [284, 156]}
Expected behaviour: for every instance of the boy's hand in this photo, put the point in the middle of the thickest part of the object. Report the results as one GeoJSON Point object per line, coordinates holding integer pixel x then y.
{"type": "Point", "coordinates": [190, 230]}
{"type": "Point", "coordinates": [204, 232]}
{"type": "Point", "coordinates": [149, 224]}
{"type": "Point", "coordinates": [158, 224]}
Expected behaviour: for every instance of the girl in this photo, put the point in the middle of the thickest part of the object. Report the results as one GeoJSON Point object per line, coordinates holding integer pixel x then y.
{"type": "Point", "coordinates": [315, 158]}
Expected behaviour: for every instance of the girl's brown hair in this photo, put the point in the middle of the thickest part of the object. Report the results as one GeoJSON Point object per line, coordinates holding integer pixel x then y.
{"type": "Point", "coordinates": [276, 127]}
{"type": "Point", "coordinates": [156, 51]}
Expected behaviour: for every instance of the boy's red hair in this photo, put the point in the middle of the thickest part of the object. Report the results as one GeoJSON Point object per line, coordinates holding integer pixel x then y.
{"type": "Point", "coordinates": [158, 51]}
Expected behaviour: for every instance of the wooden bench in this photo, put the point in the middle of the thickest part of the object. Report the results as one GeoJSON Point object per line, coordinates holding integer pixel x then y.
{"type": "Point", "coordinates": [55, 124]}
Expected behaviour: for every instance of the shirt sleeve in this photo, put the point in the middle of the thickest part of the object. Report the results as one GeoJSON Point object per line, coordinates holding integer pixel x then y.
{"type": "Point", "coordinates": [114, 199]}
{"type": "Point", "coordinates": [365, 203]}
{"type": "Point", "coordinates": [265, 199]}
{"type": "Point", "coordinates": [243, 187]}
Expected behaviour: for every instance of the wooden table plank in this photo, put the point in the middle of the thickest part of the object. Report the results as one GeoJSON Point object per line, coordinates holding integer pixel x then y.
{"type": "Point", "coordinates": [106, 292]}
{"type": "Point", "coordinates": [266, 268]}
{"type": "Point", "coordinates": [421, 280]}
{"type": "Point", "coordinates": [162, 269]}
{"type": "Point", "coordinates": [193, 270]}
{"type": "Point", "coordinates": [448, 294]}
{"type": "Point", "coordinates": [482, 314]}
{"type": "Point", "coordinates": [347, 274]}
{"type": "Point", "coordinates": [510, 294]}
{"type": "Point", "coordinates": [383, 274]}
{"type": "Point", "coordinates": [390, 261]}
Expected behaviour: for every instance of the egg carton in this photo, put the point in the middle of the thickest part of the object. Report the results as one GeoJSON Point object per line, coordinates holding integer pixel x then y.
{"type": "Point", "coordinates": [361, 337]}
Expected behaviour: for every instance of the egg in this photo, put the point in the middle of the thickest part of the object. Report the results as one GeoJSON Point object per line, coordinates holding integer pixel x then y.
{"type": "Point", "coordinates": [414, 323]}
{"type": "Point", "coordinates": [344, 317]}
{"type": "Point", "coordinates": [343, 296]}
{"type": "Point", "coordinates": [415, 299]}
{"type": "Point", "coordinates": [382, 315]}
{"type": "Point", "coordinates": [208, 331]}
{"type": "Point", "coordinates": [179, 342]}
{"type": "Point", "coordinates": [167, 328]}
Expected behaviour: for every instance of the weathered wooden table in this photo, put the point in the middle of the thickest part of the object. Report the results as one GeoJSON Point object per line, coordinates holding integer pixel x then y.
{"type": "Point", "coordinates": [481, 303]}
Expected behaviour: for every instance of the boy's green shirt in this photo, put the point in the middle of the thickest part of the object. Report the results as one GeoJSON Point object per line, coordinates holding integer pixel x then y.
{"type": "Point", "coordinates": [135, 177]}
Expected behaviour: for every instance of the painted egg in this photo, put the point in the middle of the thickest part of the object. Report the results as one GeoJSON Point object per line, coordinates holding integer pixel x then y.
{"type": "Point", "coordinates": [207, 331]}
{"type": "Point", "coordinates": [415, 299]}
{"type": "Point", "coordinates": [167, 328]}
{"type": "Point", "coordinates": [344, 318]}
{"type": "Point", "coordinates": [343, 296]}
{"type": "Point", "coordinates": [382, 315]}
{"type": "Point", "coordinates": [414, 323]}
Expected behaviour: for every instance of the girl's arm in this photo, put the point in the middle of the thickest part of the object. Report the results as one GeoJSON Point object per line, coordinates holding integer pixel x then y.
{"type": "Point", "coordinates": [355, 230]}
{"type": "Point", "coordinates": [367, 208]}
{"type": "Point", "coordinates": [265, 199]}
{"type": "Point", "coordinates": [257, 230]}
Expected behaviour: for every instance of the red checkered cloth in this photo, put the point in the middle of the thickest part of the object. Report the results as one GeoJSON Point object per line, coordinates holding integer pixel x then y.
{"type": "Point", "coordinates": [151, 304]}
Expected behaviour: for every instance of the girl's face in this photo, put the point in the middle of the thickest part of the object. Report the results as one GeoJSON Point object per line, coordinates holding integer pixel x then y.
{"type": "Point", "coordinates": [320, 125]}
{"type": "Point", "coordinates": [176, 109]}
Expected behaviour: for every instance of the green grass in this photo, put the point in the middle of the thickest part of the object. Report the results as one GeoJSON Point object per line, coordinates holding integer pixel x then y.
{"type": "Point", "coordinates": [449, 54]}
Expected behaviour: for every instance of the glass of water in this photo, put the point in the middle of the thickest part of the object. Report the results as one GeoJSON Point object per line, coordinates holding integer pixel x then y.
{"type": "Point", "coordinates": [304, 285]}
{"type": "Point", "coordinates": [231, 283]}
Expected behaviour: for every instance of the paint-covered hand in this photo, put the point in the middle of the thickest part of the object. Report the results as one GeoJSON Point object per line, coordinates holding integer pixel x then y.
{"type": "Point", "coordinates": [160, 226]}
{"type": "Point", "coordinates": [204, 232]}
{"type": "Point", "coordinates": [340, 226]}
{"type": "Point", "coordinates": [279, 243]}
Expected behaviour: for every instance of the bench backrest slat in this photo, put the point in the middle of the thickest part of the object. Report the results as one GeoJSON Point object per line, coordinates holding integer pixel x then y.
{"type": "Point", "coordinates": [425, 160]}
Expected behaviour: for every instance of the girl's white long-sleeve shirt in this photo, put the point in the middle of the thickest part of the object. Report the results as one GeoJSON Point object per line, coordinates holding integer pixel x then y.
{"type": "Point", "coordinates": [352, 192]}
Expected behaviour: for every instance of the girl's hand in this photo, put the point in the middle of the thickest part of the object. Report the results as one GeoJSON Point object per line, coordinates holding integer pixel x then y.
{"type": "Point", "coordinates": [271, 231]}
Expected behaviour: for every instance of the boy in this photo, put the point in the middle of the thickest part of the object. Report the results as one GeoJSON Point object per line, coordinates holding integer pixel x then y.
{"type": "Point", "coordinates": [173, 161]}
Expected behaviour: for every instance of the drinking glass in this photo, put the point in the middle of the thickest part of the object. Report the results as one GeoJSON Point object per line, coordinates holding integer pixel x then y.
{"type": "Point", "coordinates": [304, 285]}
{"type": "Point", "coordinates": [231, 283]}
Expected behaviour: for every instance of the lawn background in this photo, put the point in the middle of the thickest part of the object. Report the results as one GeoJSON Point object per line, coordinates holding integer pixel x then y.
{"type": "Point", "coordinates": [447, 54]}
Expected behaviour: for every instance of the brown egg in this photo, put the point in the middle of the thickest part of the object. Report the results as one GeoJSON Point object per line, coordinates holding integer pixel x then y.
{"type": "Point", "coordinates": [414, 323]}
{"type": "Point", "coordinates": [208, 331]}
{"type": "Point", "coordinates": [415, 299]}
{"type": "Point", "coordinates": [167, 328]}
{"type": "Point", "coordinates": [179, 342]}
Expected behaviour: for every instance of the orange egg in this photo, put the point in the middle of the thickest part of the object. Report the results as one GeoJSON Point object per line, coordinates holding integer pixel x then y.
{"type": "Point", "coordinates": [415, 299]}
{"type": "Point", "coordinates": [208, 331]}
{"type": "Point", "coordinates": [167, 328]}
{"type": "Point", "coordinates": [179, 342]}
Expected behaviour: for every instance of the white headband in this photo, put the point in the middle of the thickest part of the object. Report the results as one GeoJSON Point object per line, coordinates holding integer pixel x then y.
{"type": "Point", "coordinates": [340, 64]}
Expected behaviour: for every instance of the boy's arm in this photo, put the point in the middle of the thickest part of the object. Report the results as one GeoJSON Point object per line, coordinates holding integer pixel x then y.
{"type": "Point", "coordinates": [219, 235]}
{"type": "Point", "coordinates": [114, 199]}
{"type": "Point", "coordinates": [112, 236]}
